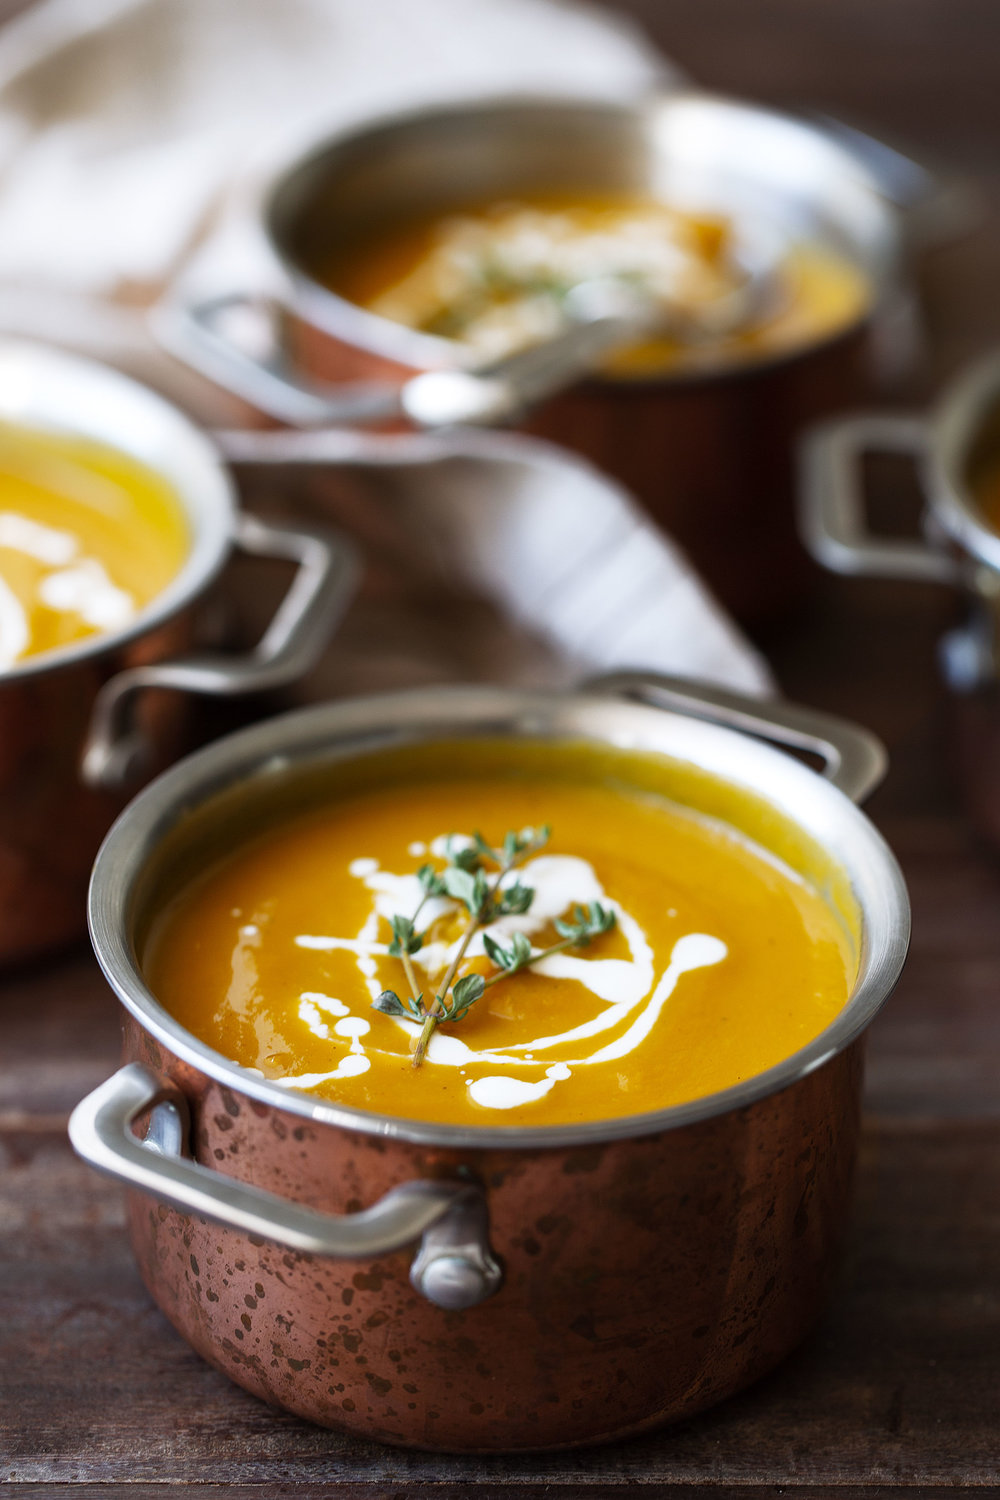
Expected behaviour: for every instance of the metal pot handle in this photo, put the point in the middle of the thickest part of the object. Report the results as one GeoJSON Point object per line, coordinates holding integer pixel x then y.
{"type": "Point", "coordinates": [832, 502]}
{"type": "Point", "coordinates": [319, 594]}
{"type": "Point", "coordinates": [934, 205]}
{"type": "Point", "coordinates": [454, 1266]}
{"type": "Point", "coordinates": [854, 760]}
{"type": "Point", "coordinates": [238, 341]}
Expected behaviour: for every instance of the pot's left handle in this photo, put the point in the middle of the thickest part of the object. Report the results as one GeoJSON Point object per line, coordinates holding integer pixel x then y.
{"type": "Point", "coordinates": [238, 340]}
{"type": "Point", "coordinates": [327, 572]}
{"type": "Point", "coordinates": [454, 1267]}
{"type": "Point", "coordinates": [854, 760]}
{"type": "Point", "coordinates": [832, 500]}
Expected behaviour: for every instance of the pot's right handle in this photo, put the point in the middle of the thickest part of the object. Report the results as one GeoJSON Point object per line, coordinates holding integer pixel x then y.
{"type": "Point", "coordinates": [454, 1268]}
{"type": "Point", "coordinates": [832, 516]}
{"type": "Point", "coordinates": [854, 760]}
{"type": "Point", "coordinates": [324, 583]}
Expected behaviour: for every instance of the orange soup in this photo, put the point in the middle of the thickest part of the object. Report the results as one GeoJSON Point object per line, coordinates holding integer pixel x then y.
{"type": "Point", "coordinates": [88, 538]}
{"type": "Point", "coordinates": [494, 276]}
{"type": "Point", "coordinates": [707, 957]}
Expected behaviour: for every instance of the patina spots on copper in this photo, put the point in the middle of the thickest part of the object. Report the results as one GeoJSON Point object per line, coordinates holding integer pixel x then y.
{"type": "Point", "coordinates": [644, 1279]}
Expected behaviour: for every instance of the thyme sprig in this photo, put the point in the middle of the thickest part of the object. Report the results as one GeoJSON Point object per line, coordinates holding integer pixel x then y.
{"type": "Point", "coordinates": [474, 876]}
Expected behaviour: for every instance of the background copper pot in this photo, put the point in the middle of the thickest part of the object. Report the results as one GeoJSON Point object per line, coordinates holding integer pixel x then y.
{"type": "Point", "coordinates": [78, 726]}
{"type": "Point", "coordinates": [959, 547]}
{"type": "Point", "coordinates": [710, 455]}
{"type": "Point", "coordinates": [573, 1283]}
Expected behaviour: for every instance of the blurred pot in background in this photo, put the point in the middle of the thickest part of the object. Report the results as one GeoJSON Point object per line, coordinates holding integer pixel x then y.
{"type": "Point", "coordinates": [83, 723]}
{"type": "Point", "coordinates": [701, 425]}
{"type": "Point", "coordinates": [956, 449]}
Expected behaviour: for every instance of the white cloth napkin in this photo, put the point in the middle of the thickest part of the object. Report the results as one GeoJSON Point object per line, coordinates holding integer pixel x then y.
{"type": "Point", "coordinates": [556, 546]}
{"type": "Point", "coordinates": [133, 130]}
{"type": "Point", "coordinates": [121, 121]}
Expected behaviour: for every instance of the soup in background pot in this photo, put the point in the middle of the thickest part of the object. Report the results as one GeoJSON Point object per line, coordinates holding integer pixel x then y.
{"type": "Point", "coordinates": [495, 276]}
{"type": "Point", "coordinates": [635, 955]}
{"type": "Point", "coordinates": [89, 536]}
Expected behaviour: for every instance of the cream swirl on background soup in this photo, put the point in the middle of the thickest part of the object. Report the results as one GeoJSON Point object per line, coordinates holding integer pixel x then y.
{"type": "Point", "coordinates": [88, 538]}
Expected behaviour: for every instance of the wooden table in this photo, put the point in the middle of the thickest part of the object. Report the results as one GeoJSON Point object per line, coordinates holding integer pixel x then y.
{"type": "Point", "coordinates": [900, 1387]}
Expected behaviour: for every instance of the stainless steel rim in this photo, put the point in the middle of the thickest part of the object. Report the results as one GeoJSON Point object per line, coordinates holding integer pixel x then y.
{"type": "Point", "coordinates": [326, 733]}
{"type": "Point", "coordinates": [335, 315]}
{"type": "Point", "coordinates": [46, 389]}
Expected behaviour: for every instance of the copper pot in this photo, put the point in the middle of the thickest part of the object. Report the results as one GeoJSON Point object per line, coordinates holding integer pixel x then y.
{"type": "Point", "coordinates": [571, 1284]}
{"type": "Point", "coordinates": [959, 547]}
{"type": "Point", "coordinates": [78, 728]}
{"type": "Point", "coordinates": [710, 455]}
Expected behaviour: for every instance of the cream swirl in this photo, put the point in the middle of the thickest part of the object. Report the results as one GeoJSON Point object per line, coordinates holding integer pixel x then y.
{"type": "Point", "coordinates": [631, 996]}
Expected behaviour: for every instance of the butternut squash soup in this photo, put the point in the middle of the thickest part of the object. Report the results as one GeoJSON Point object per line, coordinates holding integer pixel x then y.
{"type": "Point", "coordinates": [502, 934]}
{"type": "Point", "coordinates": [88, 538]}
{"type": "Point", "coordinates": [495, 275]}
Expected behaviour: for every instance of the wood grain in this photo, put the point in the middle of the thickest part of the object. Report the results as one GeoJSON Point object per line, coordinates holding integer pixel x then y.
{"type": "Point", "coordinates": [899, 1390]}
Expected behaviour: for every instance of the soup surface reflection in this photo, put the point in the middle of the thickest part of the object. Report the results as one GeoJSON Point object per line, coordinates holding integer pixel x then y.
{"type": "Point", "coordinates": [495, 276]}
{"type": "Point", "coordinates": [720, 962]}
{"type": "Point", "coordinates": [88, 538]}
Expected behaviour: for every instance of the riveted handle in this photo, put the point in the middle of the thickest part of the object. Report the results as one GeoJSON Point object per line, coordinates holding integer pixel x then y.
{"type": "Point", "coordinates": [453, 1213]}
{"type": "Point", "coordinates": [832, 516]}
{"type": "Point", "coordinates": [854, 760]}
{"type": "Point", "coordinates": [319, 594]}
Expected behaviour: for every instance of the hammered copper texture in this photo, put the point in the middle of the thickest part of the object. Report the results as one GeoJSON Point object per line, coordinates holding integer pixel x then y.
{"type": "Point", "coordinates": [644, 1279]}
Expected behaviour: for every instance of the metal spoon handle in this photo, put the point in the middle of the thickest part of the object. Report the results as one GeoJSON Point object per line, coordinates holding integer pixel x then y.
{"type": "Point", "coordinates": [501, 391]}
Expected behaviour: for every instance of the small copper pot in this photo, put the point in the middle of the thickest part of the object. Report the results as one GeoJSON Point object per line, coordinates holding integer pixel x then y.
{"type": "Point", "coordinates": [77, 726]}
{"type": "Point", "coordinates": [572, 1284]}
{"type": "Point", "coordinates": [959, 547]}
{"type": "Point", "coordinates": [711, 455]}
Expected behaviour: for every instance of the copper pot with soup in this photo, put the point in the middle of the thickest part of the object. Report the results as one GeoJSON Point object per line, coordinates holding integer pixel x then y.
{"type": "Point", "coordinates": [640, 948]}
{"type": "Point", "coordinates": [116, 515]}
{"type": "Point", "coordinates": [956, 452]}
{"type": "Point", "coordinates": [758, 249]}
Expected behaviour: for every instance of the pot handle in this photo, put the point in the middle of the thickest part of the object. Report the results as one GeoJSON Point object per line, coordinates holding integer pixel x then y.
{"type": "Point", "coordinates": [854, 760]}
{"type": "Point", "coordinates": [832, 501]}
{"type": "Point", "coordinates": [934, 206]}
{"type": "Point", "coordinates": [454, 1268]}
{"type": "Point", "coordinates": [316, 600]}
{"type": "Point", "coordinates": [238, 341]}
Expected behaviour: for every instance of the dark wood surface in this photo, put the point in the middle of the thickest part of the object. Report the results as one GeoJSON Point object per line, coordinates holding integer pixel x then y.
{"type": "Point", "coordinates": [899, 1390]}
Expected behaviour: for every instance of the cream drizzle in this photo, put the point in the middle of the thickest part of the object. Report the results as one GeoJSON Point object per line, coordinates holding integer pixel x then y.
{"type": "Point", "coordinates": [77, 585]}
{"type": "Point", "coordinates": [558, 881]}
{"type": "Point", "coordinates": [46, 544]}
{"type": "Point", "coordinates": [86, 590]}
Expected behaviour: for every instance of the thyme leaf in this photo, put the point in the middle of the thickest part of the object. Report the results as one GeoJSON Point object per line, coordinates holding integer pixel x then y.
{"type": "Point", "coordinates": [464, 994]}
{"type": "Point", "coordinates": [390, 1004]}
{"type": "Point", "coordinates": [588, 922]}
{"type": "Point", "coordinates": [404, 938]}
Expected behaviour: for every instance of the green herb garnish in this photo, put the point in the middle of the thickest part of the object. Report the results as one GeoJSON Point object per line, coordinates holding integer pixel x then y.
{"type": "Point", "coordinates": [473, 876]}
